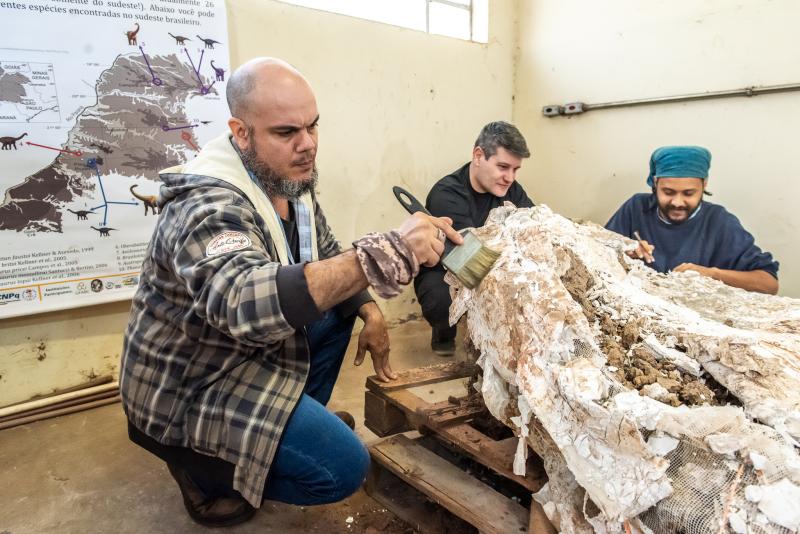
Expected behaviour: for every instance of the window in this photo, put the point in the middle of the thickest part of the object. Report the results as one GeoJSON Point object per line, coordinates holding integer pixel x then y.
{"type": "Point", "coordinates": [462, 19]}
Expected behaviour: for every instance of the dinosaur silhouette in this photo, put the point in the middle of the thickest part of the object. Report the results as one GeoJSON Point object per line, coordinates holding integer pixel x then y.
{"type": "Point", "coordinates": [8, 142]}
{"type": "Point", "coordinates": [82, 214]}
{"type": "Point", "coordinates": [179, 39]}
{"type": "Point", "coordinates": [131, 35]}
{"type": "Point", "coordinates": [149, 201]}
{"type": "Point", "coordinates": [104, 230]}
{"type": "Point", "coordinates": [219, 72]}
{"type": "Point", "coordinates": [209, 42]}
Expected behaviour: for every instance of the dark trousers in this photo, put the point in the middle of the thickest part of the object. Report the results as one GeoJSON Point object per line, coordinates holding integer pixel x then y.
{"type": "Point", "coordinates": [319, 459]}
{"type": "Point", "coordinates": [433, 295]}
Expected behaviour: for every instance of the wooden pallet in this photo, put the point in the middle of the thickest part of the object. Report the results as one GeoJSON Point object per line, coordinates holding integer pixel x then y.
{"type": "Point", "coordinates": [402, 467]}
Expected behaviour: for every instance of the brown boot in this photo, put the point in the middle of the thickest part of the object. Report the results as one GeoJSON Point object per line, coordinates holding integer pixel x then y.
{"type": "Point", "coordinates": [346, 418]}
{"type": "Point", "coordinates": [213, 511]}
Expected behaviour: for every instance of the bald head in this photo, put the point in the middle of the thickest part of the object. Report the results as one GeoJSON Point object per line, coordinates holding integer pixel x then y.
{"type": "Point", "coordinates": [256, 84]}
{"type": "Point", "coordinates": [274, 120]}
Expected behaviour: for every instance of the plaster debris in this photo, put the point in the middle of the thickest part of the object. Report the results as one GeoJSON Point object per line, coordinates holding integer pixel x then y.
{"type": "Point", "coordinates": [651, 398]}
{"type": "Point", "coordinates": [738, 521]}
{"type": "Point", "coordinates": [662, 444]}
{"type": "Point", "coordinates": [759, 461]}
{"type": "Point", "coordinates": [779, 503]}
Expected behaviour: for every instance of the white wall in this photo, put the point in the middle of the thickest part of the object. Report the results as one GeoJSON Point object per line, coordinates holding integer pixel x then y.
{"type": "Point", "coordinates": [397, 107]}
{"type": "Point", "coordinates": [586, 166]}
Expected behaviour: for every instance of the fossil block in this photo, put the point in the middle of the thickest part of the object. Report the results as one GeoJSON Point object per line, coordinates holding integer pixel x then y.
{"type": "Point", "coordinates": [646, 394]}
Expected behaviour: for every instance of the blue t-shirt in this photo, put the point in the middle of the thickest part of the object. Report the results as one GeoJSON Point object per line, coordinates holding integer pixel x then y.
{"type": "Point", "coordinates": [712, 238]}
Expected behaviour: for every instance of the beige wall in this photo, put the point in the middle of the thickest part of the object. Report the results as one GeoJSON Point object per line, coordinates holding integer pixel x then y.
{"type": "Point", "coordinates": [586, 166]}
{"type": "Point", "coordinates": [397, 107]}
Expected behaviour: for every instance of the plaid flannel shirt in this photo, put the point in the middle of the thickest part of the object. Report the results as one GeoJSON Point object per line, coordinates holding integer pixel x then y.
{"type": "Point", "coordinates": [209, 361]}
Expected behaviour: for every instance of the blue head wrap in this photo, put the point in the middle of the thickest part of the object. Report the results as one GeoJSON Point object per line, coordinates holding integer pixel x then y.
{"type": "Point", "coordinates": [679, 162]}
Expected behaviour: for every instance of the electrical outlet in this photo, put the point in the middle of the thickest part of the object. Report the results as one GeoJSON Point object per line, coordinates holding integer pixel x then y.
{"type": "Point", "coordinates": [551, 111]}
{"type": "Point", "coordinates": [573, 108]}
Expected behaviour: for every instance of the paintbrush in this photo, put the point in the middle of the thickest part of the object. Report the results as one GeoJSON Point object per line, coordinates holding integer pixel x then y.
{"type": "Point", "coordinates": [647, 248]}
{"type": "Point", "coordinates": [470, 262]}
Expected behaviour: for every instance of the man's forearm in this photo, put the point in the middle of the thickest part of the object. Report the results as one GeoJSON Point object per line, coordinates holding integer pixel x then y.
{"type": "Point", "coordinates": [369, 309]}
{"type": "Point", "coordinates": [760, 281]}
{"type": "Point", "coordinates": [333, 280]}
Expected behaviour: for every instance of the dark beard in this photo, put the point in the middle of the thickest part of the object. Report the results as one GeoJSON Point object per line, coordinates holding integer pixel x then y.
{"type": "Point", "coordinates": [275, 184]}
{"type": "Point", "coordinates": [689, 213]}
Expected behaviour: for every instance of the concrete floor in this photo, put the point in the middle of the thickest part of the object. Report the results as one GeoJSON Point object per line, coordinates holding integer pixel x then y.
{"type": "Point", "coordinates": [80, 474]}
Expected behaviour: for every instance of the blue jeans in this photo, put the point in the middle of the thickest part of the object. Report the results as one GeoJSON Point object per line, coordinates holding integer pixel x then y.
{"type": "Point", "coordinates": [319, 459]}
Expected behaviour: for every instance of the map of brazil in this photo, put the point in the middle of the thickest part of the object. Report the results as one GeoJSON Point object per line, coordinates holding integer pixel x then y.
{"type": "Point", "coordinates": [28, 92]}
{"type": "Point", "coordinates": [84, 131]}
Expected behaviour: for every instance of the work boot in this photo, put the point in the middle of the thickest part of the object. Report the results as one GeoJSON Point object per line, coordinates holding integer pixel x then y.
{"type": "Point", "coordinates": [443, 340]}
{"type": "Point", "coordinates": [210, 511]}
{"type": "Point", "coordinates": [346, 418]}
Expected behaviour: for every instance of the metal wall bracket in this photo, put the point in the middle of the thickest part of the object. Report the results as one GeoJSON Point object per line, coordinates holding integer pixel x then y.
{"type": "Point", "coordinates": [575, 108]}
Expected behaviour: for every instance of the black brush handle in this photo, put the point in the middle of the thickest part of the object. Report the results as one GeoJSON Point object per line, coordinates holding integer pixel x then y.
{"type": "Point", "coordinates": [408, 201]}
{"type": "Point", "coordinates": [412, 206]}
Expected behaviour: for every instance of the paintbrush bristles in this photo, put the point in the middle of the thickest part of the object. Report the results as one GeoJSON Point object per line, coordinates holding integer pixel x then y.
{"type": "Point", "coordinates": [471, 261]}
{"type": "Point", "coordinates": [476, 269]}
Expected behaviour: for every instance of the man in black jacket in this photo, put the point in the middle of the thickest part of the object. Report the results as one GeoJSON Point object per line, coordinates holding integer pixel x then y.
{"type": "Point", "coordinates": [467, 196]}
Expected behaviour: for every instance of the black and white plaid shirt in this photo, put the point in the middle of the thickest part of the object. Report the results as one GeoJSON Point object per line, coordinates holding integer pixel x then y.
{"type": "Point", "coordinates": [210, 361]}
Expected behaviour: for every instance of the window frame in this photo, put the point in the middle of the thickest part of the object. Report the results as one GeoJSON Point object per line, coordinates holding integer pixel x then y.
{"type": "Point", "coordinates": [469, 7]}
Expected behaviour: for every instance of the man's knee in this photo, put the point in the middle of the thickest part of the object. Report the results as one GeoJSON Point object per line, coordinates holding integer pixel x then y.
{"type": "Point", "coordinates": [345, 475]}
{"type": "Point", "coordinates": [351, 472]}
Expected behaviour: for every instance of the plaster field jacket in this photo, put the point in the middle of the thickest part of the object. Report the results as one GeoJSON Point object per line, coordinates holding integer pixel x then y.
{"type": "Point", "coordinates": [209, 361]}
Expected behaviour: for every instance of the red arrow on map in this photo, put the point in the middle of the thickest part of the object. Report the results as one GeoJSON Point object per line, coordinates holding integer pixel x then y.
{"type": "Point", "coordinates": [78, 153]}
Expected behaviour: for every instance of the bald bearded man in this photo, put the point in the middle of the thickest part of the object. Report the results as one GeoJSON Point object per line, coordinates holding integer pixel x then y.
{"type": "Point", "coordinates": [245, 307]}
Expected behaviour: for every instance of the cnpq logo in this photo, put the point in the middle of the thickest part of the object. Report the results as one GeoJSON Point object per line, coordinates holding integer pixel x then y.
{"type": "Point", "coordinates": [7, 297]}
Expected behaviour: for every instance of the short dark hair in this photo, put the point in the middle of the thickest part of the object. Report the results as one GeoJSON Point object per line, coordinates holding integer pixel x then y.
{"type": "Point", "coordinates": [502, 134]}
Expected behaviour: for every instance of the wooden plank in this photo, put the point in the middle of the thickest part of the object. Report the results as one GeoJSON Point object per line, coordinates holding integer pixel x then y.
{"type": "Point", "coordinates": [411, 505]}
{"type": "Point", "coordinates": [59, 412]}
{"type": "Point", "coordinates": [421, 376]}
{"type": "Point", "coordinates": [448, 412]}
{"type": "Point", "coordinates": [496, 455]}
{"type": "Point", "coordinates": [539, 523]}
{"type": "Point", "coordinates": [462, 494]}
{"type": "Point", "coordinates": [382, 417]}
{"type": "Point", "coordinates": [410, 403]}
{"type": "Point", "coordinates": [421, 413]}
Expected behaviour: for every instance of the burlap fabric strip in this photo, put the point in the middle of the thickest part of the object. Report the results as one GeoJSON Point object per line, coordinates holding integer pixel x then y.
{"type": "Point", "coordinates": [388, 262]}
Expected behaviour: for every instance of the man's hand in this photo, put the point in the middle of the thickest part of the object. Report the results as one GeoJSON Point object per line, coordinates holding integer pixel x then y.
{"type": "Point", "coordinates": [705, 271]}
{"type": "Point", "coordinates": [643, 252]}
{"type": "Point", "coordinates": [374, 337]}
{"type": "Point", "coordinates": [757, 280]}
{"type": "Point", "coordinates": [426, 235]}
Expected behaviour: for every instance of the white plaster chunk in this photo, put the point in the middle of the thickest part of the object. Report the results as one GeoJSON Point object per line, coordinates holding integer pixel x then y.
{"type": "Point", "coordinates": [779, 503]}
{"type": "Point", "coordinates": [521, 457]}
{"type": "Point", "coordinates": [677, 357]}
{"type": "Point", "coordinates": [724, 443]}
{"type": "Point", "coordinates": [662, 444]}
{"type": "Point", "coordinates": [738, 521]}
{"type": "Point", "coordinates": [753, 493]}
{"type": "Point", "coordinates": [759, 460]}
{"type": "Point", "coordinates": [656, 391]}
{"type": "Point", "coordinates": [562, 302]}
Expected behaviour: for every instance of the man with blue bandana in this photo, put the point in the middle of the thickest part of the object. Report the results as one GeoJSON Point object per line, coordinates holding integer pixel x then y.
{"type": "Point", "coordinates": [679, 232]}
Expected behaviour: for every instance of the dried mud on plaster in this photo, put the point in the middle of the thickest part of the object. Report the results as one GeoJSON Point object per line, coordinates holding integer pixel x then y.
{"type": "Point", "coordinates": [668, 401]}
